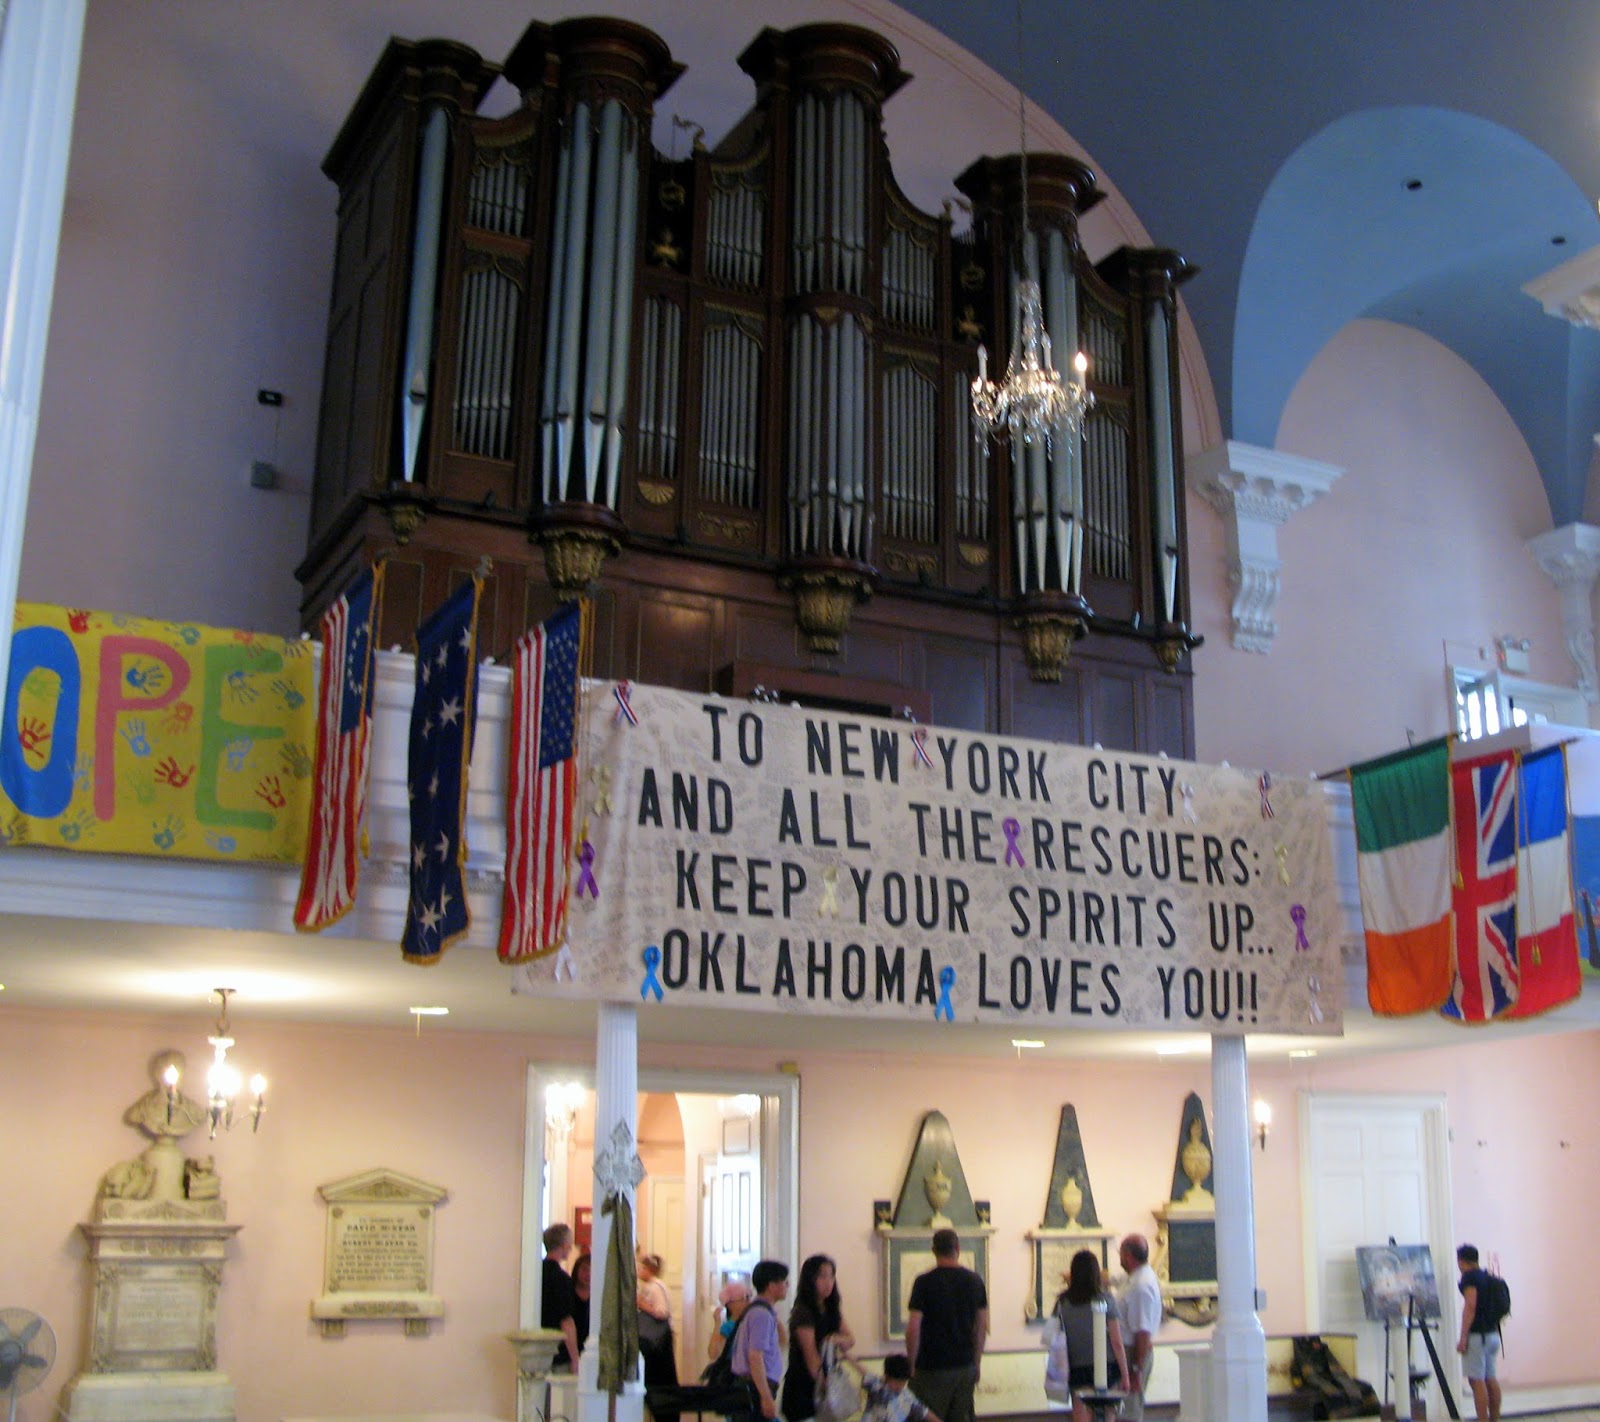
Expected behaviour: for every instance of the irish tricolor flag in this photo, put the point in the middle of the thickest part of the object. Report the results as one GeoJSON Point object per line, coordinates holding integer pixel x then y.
{"type": "Point", "coordinates": [1402, 813]}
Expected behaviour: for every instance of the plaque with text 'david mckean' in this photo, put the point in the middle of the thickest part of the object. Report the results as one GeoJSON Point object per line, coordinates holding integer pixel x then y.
{"type": "Point", "coordinates": [378, 1256]}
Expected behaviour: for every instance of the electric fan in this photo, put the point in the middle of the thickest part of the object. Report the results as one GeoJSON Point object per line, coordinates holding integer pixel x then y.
{"type": "Point", "coordinates": [27, 1349]}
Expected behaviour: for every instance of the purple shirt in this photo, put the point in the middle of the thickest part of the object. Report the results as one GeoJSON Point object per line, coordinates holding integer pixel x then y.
{"type": "Point", "coordinates": [758, 1329]}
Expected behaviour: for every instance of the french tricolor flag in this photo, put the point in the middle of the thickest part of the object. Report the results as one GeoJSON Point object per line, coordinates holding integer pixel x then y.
{"type": "Point", "coordinates": [1547, 936]}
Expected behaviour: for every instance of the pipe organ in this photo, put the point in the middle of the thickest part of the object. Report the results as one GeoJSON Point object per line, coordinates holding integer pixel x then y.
{"type": "Point", "coordinates": [728, 393]}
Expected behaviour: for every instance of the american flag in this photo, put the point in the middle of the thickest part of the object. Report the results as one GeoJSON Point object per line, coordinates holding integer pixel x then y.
{"type": "Point", "coordinates": [344, 738]}
{"type": "Point", "coordinates": [444, 710]}
{"type": "Point", "coordinates": [542, 789]}
{"type": "Point", "coordinates": [1485, 898]}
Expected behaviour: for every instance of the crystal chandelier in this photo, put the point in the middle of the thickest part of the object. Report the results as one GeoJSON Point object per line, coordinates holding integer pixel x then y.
{"type": "Point", "coordinates": [1032, 402]}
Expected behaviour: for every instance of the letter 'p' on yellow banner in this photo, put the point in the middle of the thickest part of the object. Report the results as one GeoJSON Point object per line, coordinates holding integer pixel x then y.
{"type": "Point", "coordinates": [126, 735]}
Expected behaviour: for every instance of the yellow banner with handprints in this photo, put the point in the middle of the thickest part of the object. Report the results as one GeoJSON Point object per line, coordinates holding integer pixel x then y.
{"type": "Point", "coordinates": [125, 735]}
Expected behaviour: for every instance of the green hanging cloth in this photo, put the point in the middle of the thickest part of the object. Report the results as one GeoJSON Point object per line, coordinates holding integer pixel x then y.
{"type": "Point", "coordinates": [618, 1358]}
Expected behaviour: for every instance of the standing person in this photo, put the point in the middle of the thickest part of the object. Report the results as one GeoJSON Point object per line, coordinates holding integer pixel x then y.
{"type": "Point", "coordinates": [757, 1353]}
{"type": "Point", "coordinates": [731, 1304]}
{"type": "Point", "coordinates": [655, 1330]}
{"type": "Point", "coordinates": [556, 1298]}
{"type": "Point", "coordinates": [582, 1268]}
{"type": "Point", "coordinates": [1075, 1309]}
{"type": "Point", "coordinates": [816, 1317]}
{"type": "Point", "coordinates": [1140, 1303]}
{"type": "Point", "coordinates": [1479, 1344]}
{"type": "Point", "coordinates": [947, 1324]}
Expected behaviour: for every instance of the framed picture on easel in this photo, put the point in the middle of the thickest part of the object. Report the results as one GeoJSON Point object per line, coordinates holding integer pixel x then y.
{"type": "Point", "coordinates": [1397, 1281]}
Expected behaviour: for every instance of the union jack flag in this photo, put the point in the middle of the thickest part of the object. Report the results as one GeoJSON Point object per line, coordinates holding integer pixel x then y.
{"type": "Point", "coordinates": [1485, 898]}
{"type": "Point", "coordinates": [542, 790]}
{"type": "Point", "coordinates": [344, 739]}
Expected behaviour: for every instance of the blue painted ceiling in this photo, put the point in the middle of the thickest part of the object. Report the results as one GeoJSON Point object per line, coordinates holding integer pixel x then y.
{"type": "Point", "coordinates": [1413, 160]}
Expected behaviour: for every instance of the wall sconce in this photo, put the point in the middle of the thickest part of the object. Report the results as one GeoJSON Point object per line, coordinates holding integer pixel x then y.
{"type": "Point", "coordinates": [561, 1102]}
{"type": "Point", "coordinates": [1263, 1118]}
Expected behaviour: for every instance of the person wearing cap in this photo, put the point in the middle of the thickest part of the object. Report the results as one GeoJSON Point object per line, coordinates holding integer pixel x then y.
{"type": "Point", "coordinates": [731, 1304]}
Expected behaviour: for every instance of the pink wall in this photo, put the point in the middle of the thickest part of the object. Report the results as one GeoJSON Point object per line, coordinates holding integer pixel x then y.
{"type": "Point", "coordinates": [1418, 546]}
{"type": "Point", "coordinates": [448, 1107]}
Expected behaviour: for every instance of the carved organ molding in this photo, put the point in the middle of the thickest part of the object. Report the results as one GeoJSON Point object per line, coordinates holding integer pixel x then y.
{"type": "Point", "coordinates": [1256, 490]}
{"type": "Point", "coordinates": [1570, 558]}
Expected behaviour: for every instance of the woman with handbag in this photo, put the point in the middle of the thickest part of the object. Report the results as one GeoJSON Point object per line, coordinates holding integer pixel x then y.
{"type": "Point", "coordinates": [655, 1330]}
{"type": "Point", "coordinates": [816, 1319]}
{"type": "Point", "coordinates": [1075, 1310]}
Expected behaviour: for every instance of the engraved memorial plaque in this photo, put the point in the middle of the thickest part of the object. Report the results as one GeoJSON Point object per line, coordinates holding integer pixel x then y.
{"type": "Point", "coordinates": [378, 1254]}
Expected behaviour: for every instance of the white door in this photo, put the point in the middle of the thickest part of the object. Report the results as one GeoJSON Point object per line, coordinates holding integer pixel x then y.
{"type": "Point", "coordinates": [666, 1239]}
{"type": "Point", "coordinates": [1375, 1168]}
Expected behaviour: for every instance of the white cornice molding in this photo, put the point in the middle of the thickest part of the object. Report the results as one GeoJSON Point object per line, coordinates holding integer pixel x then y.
{"type": "Point", "coordinates": [1571, 292]}
{"type": "Point", "coordinates": [1255, 490]}
{"type": "Point", "coordinates": [1570, 558]}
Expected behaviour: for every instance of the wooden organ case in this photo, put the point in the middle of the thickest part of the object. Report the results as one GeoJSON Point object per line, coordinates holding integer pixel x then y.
{"type": "Point", "coordinates": [729, 394]}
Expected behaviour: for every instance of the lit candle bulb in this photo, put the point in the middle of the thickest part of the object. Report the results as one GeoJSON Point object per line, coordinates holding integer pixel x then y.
{"type": "Point", "coordinates": [170, 1077]}
{"type": "Point", "coordinates": [258, 1089]}
{"type": "Point", "coordinates": [1080, 363]}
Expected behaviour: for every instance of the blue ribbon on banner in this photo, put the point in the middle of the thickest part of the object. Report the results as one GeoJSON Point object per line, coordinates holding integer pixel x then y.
{"type": "Point", "coordinates": [945, 1009]}
{"type": "Point", "coordinates": [652, 984]}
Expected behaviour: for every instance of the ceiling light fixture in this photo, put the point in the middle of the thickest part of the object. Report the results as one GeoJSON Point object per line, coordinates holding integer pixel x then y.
{"type": "Point", "coordinates": [561, 1102]}
{"type": "Point", "coordinates": [1026, 1044]}
{"type": "Point", "coordinates": [418, 1013]}
{"type": "Point", "coordinates": [1262, 1112]}
{"type": "Point", "coordinates": [223, 1079]}
{"type": "Point", "coordinates": [1032, 401]}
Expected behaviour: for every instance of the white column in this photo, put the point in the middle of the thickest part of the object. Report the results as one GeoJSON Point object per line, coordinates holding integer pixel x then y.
{"type": "Point", "coordinates": [1570, 557]}
{"type": "Point", "coordinates": [1255, 490]}
{"type": "Point", "coordinates": [1238, 1344]}
{"type": "Point", "coordinates": [39, 47]}
{"type": "Point", "coordinates": [616, 1099]}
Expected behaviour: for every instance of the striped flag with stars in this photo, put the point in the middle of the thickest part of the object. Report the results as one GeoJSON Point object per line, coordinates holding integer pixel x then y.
{"type": "Point", "coordinates": [334, 840]}
{"type": "Point", "coordinates": [542, 787]}
{"type": "Point", "coordinates": [443, 715]}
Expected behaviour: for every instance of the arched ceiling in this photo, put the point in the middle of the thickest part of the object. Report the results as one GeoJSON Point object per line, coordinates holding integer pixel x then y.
{"type": "Point", "coordinates": [1271, 144]}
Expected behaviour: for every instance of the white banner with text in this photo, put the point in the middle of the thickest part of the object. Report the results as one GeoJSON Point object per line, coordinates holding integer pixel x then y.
{"type": "Point", "coordinates": [779, 859]}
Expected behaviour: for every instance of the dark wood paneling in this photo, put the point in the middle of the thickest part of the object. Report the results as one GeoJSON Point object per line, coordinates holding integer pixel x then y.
{"type": "Point", "coordinates": [960, 681]}
{"type": "Point", "coordinates": [1115, 719]}
{"type": "Point", "coordinates": [677, 642]}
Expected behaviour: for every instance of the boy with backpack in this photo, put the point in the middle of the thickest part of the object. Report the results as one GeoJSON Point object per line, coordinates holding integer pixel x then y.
{"type": "Point", "coordinates": [1486, 1301]}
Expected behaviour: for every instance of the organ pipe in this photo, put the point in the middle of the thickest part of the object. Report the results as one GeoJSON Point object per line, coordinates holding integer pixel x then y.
{"type": "Point", "coordinates": [426, 234]}
{"type": "Point", "coordinates": [1163, 461]}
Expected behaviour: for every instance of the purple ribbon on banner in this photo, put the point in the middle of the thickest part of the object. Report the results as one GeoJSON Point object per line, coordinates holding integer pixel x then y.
{"type": "Point", "coordinates": [1302, 944]}
{"type": "Point", "coordinates": [623, 691]}
{"type": "Point", "coordinates": [586, 872]}
{"type": "Point", "coordinates": [1013, 851]}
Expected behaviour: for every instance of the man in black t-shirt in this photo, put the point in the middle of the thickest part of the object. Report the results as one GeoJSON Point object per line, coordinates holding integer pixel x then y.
{"type": "Point", "coordinates": [556, 1298]}
{"type": "Point", "coordinates": [1479, 1345]}
{"type": "Point", "coordinates": [947, 1324]}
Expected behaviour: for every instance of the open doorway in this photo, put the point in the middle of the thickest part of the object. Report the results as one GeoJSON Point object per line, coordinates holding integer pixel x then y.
{"type": "Point", "coordinates": [721, 1189]}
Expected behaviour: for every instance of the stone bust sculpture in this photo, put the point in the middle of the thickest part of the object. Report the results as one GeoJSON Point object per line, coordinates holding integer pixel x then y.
{"type": "Point", "coordinates": [151, 1112]}
{"type": "Point", "coordinates": [164, 1117]}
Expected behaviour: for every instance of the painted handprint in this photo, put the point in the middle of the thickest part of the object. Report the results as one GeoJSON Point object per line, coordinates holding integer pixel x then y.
{"type": "Point", "coordinates": [78, 619]}
{"type": "Point", "coordinates": [32, 735]}
{"type": "Point", "coordinates": [240, 687]}
{"type": "Point", "coordinates": [222, 843]}
{"type": "Point", "coordinates": [77, 827]}
{"type": "Point", "coordinates": [270, 792]}
{"type": "Point", "coordinates": [83, 776]}
{"type": "Point", "coordinates": [179, 718]}
{"type": "Point", "coordinates": [238, 751]}
{"type": "Point", "coordinates": [166, 835]}
{"type": "Point", "coordinates": [142, 786]}
{"type": "Point", "coordinates": [189, 634]}
{"type": "Point", "coordinates": [296, 759]}
{"type": "Point", "coordinates": [146, 676]}
{"type": "Point", "coordinates": [293, 697]}
{"type": "Point", "coordinates": [169, 772]}
{"type": "Point", "coordinates": [133, 734]}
